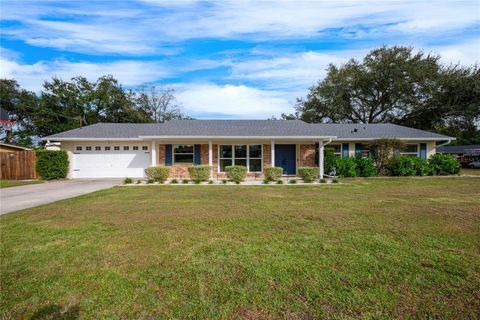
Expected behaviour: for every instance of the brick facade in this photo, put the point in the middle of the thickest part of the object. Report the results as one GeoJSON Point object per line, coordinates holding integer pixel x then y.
{"type": "Point", "coordinates": [307, 156]}
{"type": "Point", "coordinates": [180, 171]}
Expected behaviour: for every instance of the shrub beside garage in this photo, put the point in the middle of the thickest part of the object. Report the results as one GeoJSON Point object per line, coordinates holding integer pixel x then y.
{"type": "Point", "coordinates": [52, 164]}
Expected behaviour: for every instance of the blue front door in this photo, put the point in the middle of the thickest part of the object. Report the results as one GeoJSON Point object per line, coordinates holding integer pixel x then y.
{"type": "Point", "coordinates": [285, 157]}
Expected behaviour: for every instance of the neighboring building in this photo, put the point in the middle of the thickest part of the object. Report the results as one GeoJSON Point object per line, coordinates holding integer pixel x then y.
{"type": "Point", "coordinates": [5, 147]}
{"type": "Point", "coordinates": [125, 149]}
{"type": "Point", "coordinates": [465, 154]}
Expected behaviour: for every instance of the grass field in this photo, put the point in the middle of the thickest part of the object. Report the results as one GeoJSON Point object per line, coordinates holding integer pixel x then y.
{"type": "Point", "coordinates": [16, 183]}
{"type": "Point", "coordinates": [475, 172]}
{"type": "Point", "coordinates": [379, 248]}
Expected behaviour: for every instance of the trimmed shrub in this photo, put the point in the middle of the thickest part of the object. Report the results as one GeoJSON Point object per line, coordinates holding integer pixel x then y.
{"type": "Point", "coordinates": [335, 181]}
{"type": "Point", "coordinates": [199, 173]}
{"type": "Point", "coordinates": [365, 167]}
{"type": "Point", "coordinates": [127, 180]}
{"type": "Point", "coordinates": [273, 173]}
{"type": "Point", "coordinates": [409, 166]}
{"type": "Point", "coordinates": [150, 181]}
{"type": "Point", "coordinates": [308, 174]}
{"type": "Point", "coordinates": [266, 181]}
{"type": "Point", "coordinates": [279, 181]}
{"type": "Point", "coordinates": [185, 181]}
{"type": "Point", "coordinates": [443, 164]}
{"type": "Point", "coordinates": [52, 164]}
{"type": "Point", "coordinates": [323, 180]}
{"type": "Point", "coordinates": [236, 173]}
{"type": "Point", "coordinates": [158, 173]}
{"type": "Point", "coordinates": [292, 181]}
{"type": "Point", "coordinates": [174, 181]}
{"type": "Point", "coordinates": [210, 182]}
{"type": "Point", "coordinates": [346, 167]}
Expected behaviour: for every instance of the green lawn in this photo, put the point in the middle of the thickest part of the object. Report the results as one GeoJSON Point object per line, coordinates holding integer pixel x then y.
{"type": "Point", "coordinates": [475, 172]}
{"type": "Point", "coordinates": [379, 248]}
{"type": "Point", "coordinates": [16, 183]}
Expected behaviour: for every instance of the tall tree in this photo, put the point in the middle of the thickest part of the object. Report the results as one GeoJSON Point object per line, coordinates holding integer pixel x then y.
{"type": "Point", "coordinates": [398, 85]}
{"type": "Point", "coordinates": [383, 87]}
{"type": "Point", "coordinates": [20, 105]}
{"type": "Point", "coordinates": [159, 103]}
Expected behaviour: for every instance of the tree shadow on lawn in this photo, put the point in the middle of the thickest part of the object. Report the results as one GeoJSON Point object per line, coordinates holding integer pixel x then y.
{"type": "Point", "coordinates": [56, 312]}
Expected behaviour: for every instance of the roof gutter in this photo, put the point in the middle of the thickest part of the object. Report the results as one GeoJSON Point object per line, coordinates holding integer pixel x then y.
{"type": "Point", "coordinates": [240, 137]}
{"type": "Point", "coordinates": [445, 143]}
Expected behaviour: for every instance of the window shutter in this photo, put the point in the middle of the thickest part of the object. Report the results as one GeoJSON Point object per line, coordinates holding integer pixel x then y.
{"type": "Point", "coordinates": [423, 151]}
{"type": "Point", "coordinates": [197, 155]}
{"type": "Point", "coordinates": [168, 154]}
{"type": "Point", "coordinates": [358, 149]}
{"type": "Point", "coordinates": [345, 150]}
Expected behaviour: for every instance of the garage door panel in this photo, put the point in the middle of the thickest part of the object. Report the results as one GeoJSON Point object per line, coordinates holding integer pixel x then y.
{"type": "Point", "coordinates": [110, 164]}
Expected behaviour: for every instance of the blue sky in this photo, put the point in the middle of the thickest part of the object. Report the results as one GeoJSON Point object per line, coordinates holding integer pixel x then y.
{"type": "Point", "coordinates": [225, 59]}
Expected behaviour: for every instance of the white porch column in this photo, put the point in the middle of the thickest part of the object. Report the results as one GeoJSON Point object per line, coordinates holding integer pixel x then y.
{"type": "Point", "coordinates": [154, 153]}
{"type": "Point", "coordinates": [320, 158]}
{"type": "Point", "coordinates": [210, 157]}
{"type": "Point", "coordinates": [272, 153]}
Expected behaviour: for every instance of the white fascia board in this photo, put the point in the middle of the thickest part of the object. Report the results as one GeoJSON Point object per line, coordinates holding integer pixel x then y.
{"type": "Point", "coordinates": [92, 139]}
{"type": "Point", "coordinates": [399, 138]}
{"type": "Point", "coordinates": [239, 137]}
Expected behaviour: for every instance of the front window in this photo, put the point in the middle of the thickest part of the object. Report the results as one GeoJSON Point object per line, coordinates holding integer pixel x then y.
{"type": "Point", "coordinates": [249, 156]}
{"type": "Point", "coordinates": [410, 150]}
{"type": "Point", "coordinates": [183, 153]}
{"type": "Point", "coordinates": [336, 149]}
{"type": "Point", "coordinates": [364, 150]}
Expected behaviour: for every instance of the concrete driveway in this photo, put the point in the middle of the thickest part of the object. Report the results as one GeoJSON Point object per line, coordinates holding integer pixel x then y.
{"type": "Point", "coordinates": [22, 197]}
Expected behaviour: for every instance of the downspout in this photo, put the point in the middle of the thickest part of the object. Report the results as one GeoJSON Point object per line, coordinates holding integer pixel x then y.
{"type": "Point", "coordinates": [443, 144]}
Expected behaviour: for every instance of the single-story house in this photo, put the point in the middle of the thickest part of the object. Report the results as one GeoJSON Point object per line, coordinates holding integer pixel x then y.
{"type": "Point", "coordinates": [106, 150]}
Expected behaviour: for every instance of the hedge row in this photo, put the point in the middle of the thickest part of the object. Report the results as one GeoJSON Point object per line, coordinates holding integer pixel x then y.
{"type": "Point", "coordinates": [438, 164]}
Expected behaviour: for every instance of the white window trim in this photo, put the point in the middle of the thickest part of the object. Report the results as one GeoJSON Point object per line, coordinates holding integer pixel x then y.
{"type": "Point", "coordinates": [185, 144]}
{"type": "Point", "coordinates": [417, 154]}
{"type": "Point", "coordinates": [247, 158]}
{"type": "Point", "coordinates": [338, 154]}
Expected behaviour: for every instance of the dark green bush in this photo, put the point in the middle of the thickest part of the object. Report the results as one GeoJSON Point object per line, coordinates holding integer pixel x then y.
{"type": "Point", "coordinates": [335, 181]}
{"type": "Point", "coordinates": [273, 173]}
{"type": "Point", "coordinates": [199, 173]}
{"type": "Point", "coordinates": [127, 180]}
{"type": "Point", "coordinates": [292, 181]}
{"type": "Point", "coordinates": [346, 167]}
{"type": "Point", "coordinates": [308, 174]}
{"type": "Point", "coordinates": [365, 167]}
{"type": "Point", "coordinates": [443, 164]}
{"type": "Point", "coordinates": [323, 180]}
{"type": "Point", "coordinates": [158, 173]}
{"type": "Point", "coordinates": [52, 164]}
{"type": "Point", "coordinates": [236, 173]}
{"type": "Point", "coordinates": [185, 181]}
{"type": "Point", "coordinates": [174, 181]}
{"type": "Point", "coordinates": [409, 166]}
{"type": "Point", "coordinates": [150, 181]}
{"type": "Point", "coordinates": [279, 181]}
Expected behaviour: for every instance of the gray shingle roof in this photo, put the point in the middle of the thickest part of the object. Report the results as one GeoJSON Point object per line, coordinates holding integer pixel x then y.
{"type": "Point", "coordinates": [459, 149]}
{"type": "Point", "coordinates": [243, 128]}
{"type": "Point", "coordinates": [351, 131]}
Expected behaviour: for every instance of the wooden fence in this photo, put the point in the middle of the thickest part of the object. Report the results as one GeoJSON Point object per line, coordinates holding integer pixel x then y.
{"type": "Point", "coordinates": [17, 165]}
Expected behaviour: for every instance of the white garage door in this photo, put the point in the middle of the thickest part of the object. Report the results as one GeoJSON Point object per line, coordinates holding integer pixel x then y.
{"type": "Point", "coordinates": [113, 161]}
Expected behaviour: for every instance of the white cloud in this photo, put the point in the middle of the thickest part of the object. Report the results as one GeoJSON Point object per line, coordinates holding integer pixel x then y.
{"type": "Point", "coordinates": [129, 73]}
{"type": "Point", "coordinates": [466, 53]}
{"type": "Point", "coordinates": [151, 27]}
{"type": "Point", "coordinates": [232, 101]}
{"type": "Point", "coordinates": [296, 70]}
